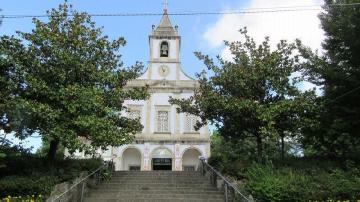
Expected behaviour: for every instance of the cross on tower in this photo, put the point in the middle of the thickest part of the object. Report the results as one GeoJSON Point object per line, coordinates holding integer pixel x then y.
{"type": "Point", "coordinates": [165, 4]}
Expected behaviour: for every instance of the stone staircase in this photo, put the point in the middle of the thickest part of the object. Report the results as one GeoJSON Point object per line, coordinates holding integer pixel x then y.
{"type": "Point", "coordinates": [155, 186]}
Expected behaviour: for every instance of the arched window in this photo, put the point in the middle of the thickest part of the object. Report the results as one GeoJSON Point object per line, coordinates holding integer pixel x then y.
{"type": "Point", "coordinates": [164, 49]}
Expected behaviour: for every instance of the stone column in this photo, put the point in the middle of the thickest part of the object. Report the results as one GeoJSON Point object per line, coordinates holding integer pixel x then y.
{"type": "Point", "coordinates": [115, 151]}
{"type": "Point", "coordinates": [148, 118]}
{"type": "Point", "coordinates": [147, 158]}
{"type": "Point", "coordinates": [178, 166]}
{"type": "Point", "coordinates": [177, 120]}
{"type": "Point", "coordinates": [118, 163]}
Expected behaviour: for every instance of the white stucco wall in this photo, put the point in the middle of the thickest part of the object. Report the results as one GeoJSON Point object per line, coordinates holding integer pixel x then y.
{"type": "Point", "coordinates": [183, 76]}
{"type": "Point", "coordinates": [155, 74]}
{"type": "Point", "coordinates": [175, 72]}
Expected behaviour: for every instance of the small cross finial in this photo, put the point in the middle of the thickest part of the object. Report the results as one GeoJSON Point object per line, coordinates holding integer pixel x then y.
{"type": "Point", "coordinates": [165, 5]}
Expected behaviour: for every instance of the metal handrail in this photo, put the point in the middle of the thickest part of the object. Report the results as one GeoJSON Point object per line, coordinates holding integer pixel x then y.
{"type": "Point", "coordinates": [227, 184]}
{"type": "Point", "coordinates": [82, 181]}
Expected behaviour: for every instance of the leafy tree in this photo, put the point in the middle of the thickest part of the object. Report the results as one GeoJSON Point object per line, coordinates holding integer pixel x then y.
{"type": "Point", "coordinates": [11, 79]}
{"type": "Point", "coordinates": [44, 150]}
{"type": "Point", "coordinates": [338, 71]}
{"type": "Point", "coordinates": [249, 96]}
{"type": "Point", "coordinates": [5, 91]}
{"type": "Point", "coordinates": [225, 154]}
{"type": "Point", "coordinates": [73, 90]}
{"type": "Point", "coordinates": [293, 117]}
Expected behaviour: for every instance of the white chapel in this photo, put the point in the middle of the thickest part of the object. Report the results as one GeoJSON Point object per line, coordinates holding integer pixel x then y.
{"type": "Point", "coordinates": [168, 140]}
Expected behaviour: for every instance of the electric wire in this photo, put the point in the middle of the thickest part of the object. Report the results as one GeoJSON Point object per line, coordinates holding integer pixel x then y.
{"type": "Point", "coordinates": [228, 12]}
{"type": "Point", "coordinates": [345, 94]}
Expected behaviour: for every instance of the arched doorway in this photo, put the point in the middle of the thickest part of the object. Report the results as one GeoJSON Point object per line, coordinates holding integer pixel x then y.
{"type": "Point", "coordinates": [190, 160]}
{"type": "Point", "coordinates": [131, 159]}
{"type": "Point", "coordinates": [162, 159]}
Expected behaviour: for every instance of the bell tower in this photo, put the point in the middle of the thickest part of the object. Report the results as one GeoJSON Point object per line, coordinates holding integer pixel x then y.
{"type": "Point", "coordinates": [169, 140]}
{"type": "Point", "coordinates": [164, 43]}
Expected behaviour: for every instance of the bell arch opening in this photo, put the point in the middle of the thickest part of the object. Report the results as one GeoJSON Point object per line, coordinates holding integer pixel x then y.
{"type": "Point", "coordinates": [164, 49]}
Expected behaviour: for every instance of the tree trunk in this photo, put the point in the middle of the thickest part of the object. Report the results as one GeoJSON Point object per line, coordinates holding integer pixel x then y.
{"type": "Point", "coordinates": [282, 148]}
{"type": "Point", "coordinates": [52, 150]}
{"type": "Point", "coordinates": [259, 149]}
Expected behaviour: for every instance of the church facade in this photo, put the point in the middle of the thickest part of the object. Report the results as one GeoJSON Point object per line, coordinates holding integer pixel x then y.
{"type": "Point", "coordinates": [168, 140]}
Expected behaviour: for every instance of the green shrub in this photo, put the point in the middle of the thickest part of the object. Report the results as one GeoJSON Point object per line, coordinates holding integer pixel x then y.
{"type": "Point", "coordinates": [269, 183]}
{"type": "Point", "coordinates": [22, 186]}
{"type": "Point", "coordinates": [30, 175]}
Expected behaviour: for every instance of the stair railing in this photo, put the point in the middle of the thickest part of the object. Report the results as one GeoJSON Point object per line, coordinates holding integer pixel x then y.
{"type": "Point", "coordinates": [231, 193]}
{"type": "Point", "coordinates": [78, 190]}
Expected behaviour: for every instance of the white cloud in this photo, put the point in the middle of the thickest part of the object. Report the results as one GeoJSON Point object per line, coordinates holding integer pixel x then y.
{"type": "Point", "coordinates": [304, 25]}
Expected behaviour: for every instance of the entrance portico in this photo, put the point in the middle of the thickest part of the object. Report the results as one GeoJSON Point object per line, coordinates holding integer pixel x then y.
{"type": "Point", "coordinates": [153, 156]}
{"type": "Point", "coordinates": [162, 159]}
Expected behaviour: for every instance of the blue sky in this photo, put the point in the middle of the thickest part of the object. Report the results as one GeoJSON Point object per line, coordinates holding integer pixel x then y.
{"type": "Point", "coordinates": [134, 29]}
{"type": "Point", "coordinates": [203, 33]}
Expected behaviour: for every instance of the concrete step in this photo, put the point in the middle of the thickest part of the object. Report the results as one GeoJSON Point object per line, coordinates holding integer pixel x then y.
{"type": "Point", "coordinates": [140, 180]}
{"type": "Point", "coordinates": [157, 182]}
{"type": "Point", "coordinates": [124, 193]}
{"type": "Point", "coordinates": [155, 179]}
{"type": "Point", "coordinates": [169, 189]}
{"type": "Point", "coordinates": [157, 176]}
{"type": "Point", "coordinates": [159, 186]}
{"type": "Point", "coordinates": [164, 195]}
{"type": "Point", "coordinates": [152, 200]}
{"type": "Point", "coordinates": [145, 181]}
{"type": "Point", "coordinates": [156, 173]}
